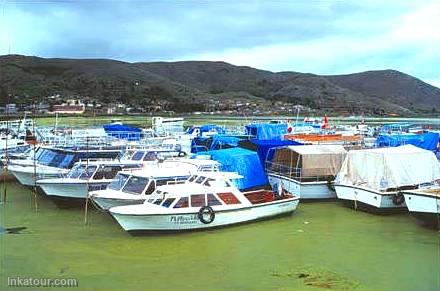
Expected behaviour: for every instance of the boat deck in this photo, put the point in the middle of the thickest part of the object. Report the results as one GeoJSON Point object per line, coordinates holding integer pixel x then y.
{"type": "Point", "coordinates": [264, 196]}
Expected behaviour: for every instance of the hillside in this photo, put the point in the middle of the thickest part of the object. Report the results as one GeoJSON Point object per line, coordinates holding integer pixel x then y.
{"type": "Point", "coordinates": [189, 85]}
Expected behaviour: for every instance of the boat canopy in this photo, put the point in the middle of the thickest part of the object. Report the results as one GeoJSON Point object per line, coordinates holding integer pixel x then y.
{"type": "Point", "coordinates": [307, 160]}
{"type": "Point", "coordinates": [387, 168]}
{"type": "Point", "coordinates": [427, 141]}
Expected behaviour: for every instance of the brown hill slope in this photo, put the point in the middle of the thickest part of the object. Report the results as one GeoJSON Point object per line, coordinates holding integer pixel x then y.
{"type": "Point", "coordinates": [195, 81]}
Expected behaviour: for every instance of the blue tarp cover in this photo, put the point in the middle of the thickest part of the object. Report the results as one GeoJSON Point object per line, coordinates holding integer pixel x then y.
{"type": "Point", "coordinates": [123, 131]}
{"type": "Point", "coordinates": [266, 130]}
{"type": "Point", "coordinates": [263, 147]}
{"type": "Point", "coordinates": [244, 162]}
{"type": "Point", "coordinates": [427, 141]}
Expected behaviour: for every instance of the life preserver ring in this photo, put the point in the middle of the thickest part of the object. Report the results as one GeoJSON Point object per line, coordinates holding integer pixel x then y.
{"type": "Point", "coordinates": [206, 210]}
{"type": "Point", "coordinates": [398, 199]}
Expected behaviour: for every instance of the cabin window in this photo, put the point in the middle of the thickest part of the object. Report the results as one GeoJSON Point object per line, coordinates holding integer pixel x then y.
{"type": "Point", "coordinates": [88, 172]}
{"type": "Point", "coordinates": [168, 202]}
{"type": "Point", "coordinates": [212, 201]}
{"type": "Point", "coordinates": [182, 203]}
{"type": "Point", "coordinates": [135, 185]}
{"type": "Point", "coordinates": [107, 172]}
{"type": "Point", "coordinates": [150, 200]}
{"type": "Point", "coordinates": [192, 178]}
{"type": "Point", "coordinates": [200, 179]}
{"type": "Point", "coordinates": [198, 200]}
{"type": "Point", "coordinates": [75, 172]}
{"type": "Point", "coordinates": [151, 187]}
{"type": "Point", "coordinates": [158, 201]}
{"type": "Point", "coordinates": [46, 157]}
{"type": "Point", "coordinates": [118, 182]}
{"type": "Point", "coordinates": [137, 156]}
{"type": "Point", "coordinates": [66, 161]}
{"type": "Point", "coordinates": [228, 198]}
{"type": "Point", "coordinates": [150, 156]}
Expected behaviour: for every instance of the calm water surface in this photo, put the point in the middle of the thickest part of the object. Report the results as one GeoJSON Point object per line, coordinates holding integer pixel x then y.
{"type": "Point", "coordinates": [322, 245]}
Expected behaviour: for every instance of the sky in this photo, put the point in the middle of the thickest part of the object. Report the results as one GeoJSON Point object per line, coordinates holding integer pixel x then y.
{"type": "Point", "coordinates": [311, 36]}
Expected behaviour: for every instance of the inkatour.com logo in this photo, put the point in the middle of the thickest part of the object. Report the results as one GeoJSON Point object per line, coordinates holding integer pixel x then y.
{"type": "Point", "coordinates": [41, 282]}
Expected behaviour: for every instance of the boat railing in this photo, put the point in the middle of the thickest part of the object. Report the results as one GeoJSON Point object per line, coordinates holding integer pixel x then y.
{"type": "Point", "coordinates": [295, 173]}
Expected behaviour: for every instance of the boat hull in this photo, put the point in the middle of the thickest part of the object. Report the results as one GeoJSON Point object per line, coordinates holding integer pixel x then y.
{"type": "Point", "coordinates": [425, 208]}
{"type": "Point", "coordinates": [369, 199]}
{"type": "Point", "coordinates": [305, 190]}
{"type": "Point", "coordinates": [105, 203]}
{"type": "Point", "coordinates": [28, 178]}
{"type": "Point", "coordinates": [190, 221]}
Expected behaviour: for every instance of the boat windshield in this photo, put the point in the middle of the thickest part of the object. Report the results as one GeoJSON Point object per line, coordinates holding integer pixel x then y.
{"type": "Point", "coordinates": [55, 159]}
{"type": "Point", "coordinates": [76, 171]}
{"type": "Point", "coordinates": [118, 182]}
{"type": "Point", "coordinates": [137, 156]}
{"type": "Point", "coordinates": [135, 185]}
{"type": "Point", "coordinates": [81, 172]}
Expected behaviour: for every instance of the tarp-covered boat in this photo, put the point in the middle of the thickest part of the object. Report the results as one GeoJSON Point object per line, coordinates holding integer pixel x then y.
{"type": "Point", "coordinates": [375, 177]}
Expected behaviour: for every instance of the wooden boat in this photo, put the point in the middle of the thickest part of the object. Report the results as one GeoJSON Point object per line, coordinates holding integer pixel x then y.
{"type": "Point", "coordinates": [205, 200]}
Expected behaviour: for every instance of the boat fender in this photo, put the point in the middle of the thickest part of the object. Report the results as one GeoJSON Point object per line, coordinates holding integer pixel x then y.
{"type": "Point", "coordinates": [398, 199]}
{"type": "Point", "coordinates": [206, 211]}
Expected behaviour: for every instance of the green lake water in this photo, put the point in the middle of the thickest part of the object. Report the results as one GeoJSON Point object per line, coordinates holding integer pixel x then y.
{"type": "Point", "coordinates": [322, 245]}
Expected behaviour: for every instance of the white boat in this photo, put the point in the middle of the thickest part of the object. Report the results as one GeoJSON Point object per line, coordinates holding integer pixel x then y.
{"type": "Point", "coordinates": [85, 176]}
{"type": "Point", "coordinates": [424, 204]}
{"type": "Point", "coordinates": [54, 163]}
{"type": "Point", "coordinates": [307, 171]}
{"type": "Point", "coordinates": [135, 187]}
{"type": "Point", "coordinates": [374, 178]}
{"type": "Point", "coordinates": [205, 200]}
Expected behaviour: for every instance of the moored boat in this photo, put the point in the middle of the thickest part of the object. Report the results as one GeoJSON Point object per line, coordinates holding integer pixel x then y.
{"type": "Point", "coordinates": [54, 162]}
{"type": "Point", "coordinates": [205, 200]}
{"type": "Point", "coordinates": [305, 170]}
{"type": "Point", "coordinates": [375, 178]}
{"type": "Point", "coordinates": [85, 176]}
{"type": "Point", "coordinates": [135, 187]}
{"type": "Point", "coordinates": [424, 204]}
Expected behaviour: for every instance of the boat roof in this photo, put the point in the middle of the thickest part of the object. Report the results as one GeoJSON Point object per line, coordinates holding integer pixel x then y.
{"type": "Point", "coordinates": [108, 162]}
{"type": "Point", "coordinates": [220, 175]}
{"type": "Point", "coordinates": [157, 172]}
{"type": "Point", "coordinates": [196, 162]}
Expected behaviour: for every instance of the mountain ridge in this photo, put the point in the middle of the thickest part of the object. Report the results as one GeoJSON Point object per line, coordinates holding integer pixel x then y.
{"type": "Point", "coordinates": [197, 82]}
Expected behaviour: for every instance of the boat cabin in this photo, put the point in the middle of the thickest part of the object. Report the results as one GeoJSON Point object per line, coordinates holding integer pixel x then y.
{"type": "Point", "coordinates": [99, 170]}
{"type": "Point", "coordinates": [66, 158]}
{"type": "Point", "coordinates": [211, 189]}
{"type": "Point", "coordinates": [306, 163]}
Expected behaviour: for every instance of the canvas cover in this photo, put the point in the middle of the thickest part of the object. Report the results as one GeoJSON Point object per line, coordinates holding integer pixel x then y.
{"type": "Point", "coordinates": [313, 160]}
{"type": "Point", "coordinates": [386, 168]}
